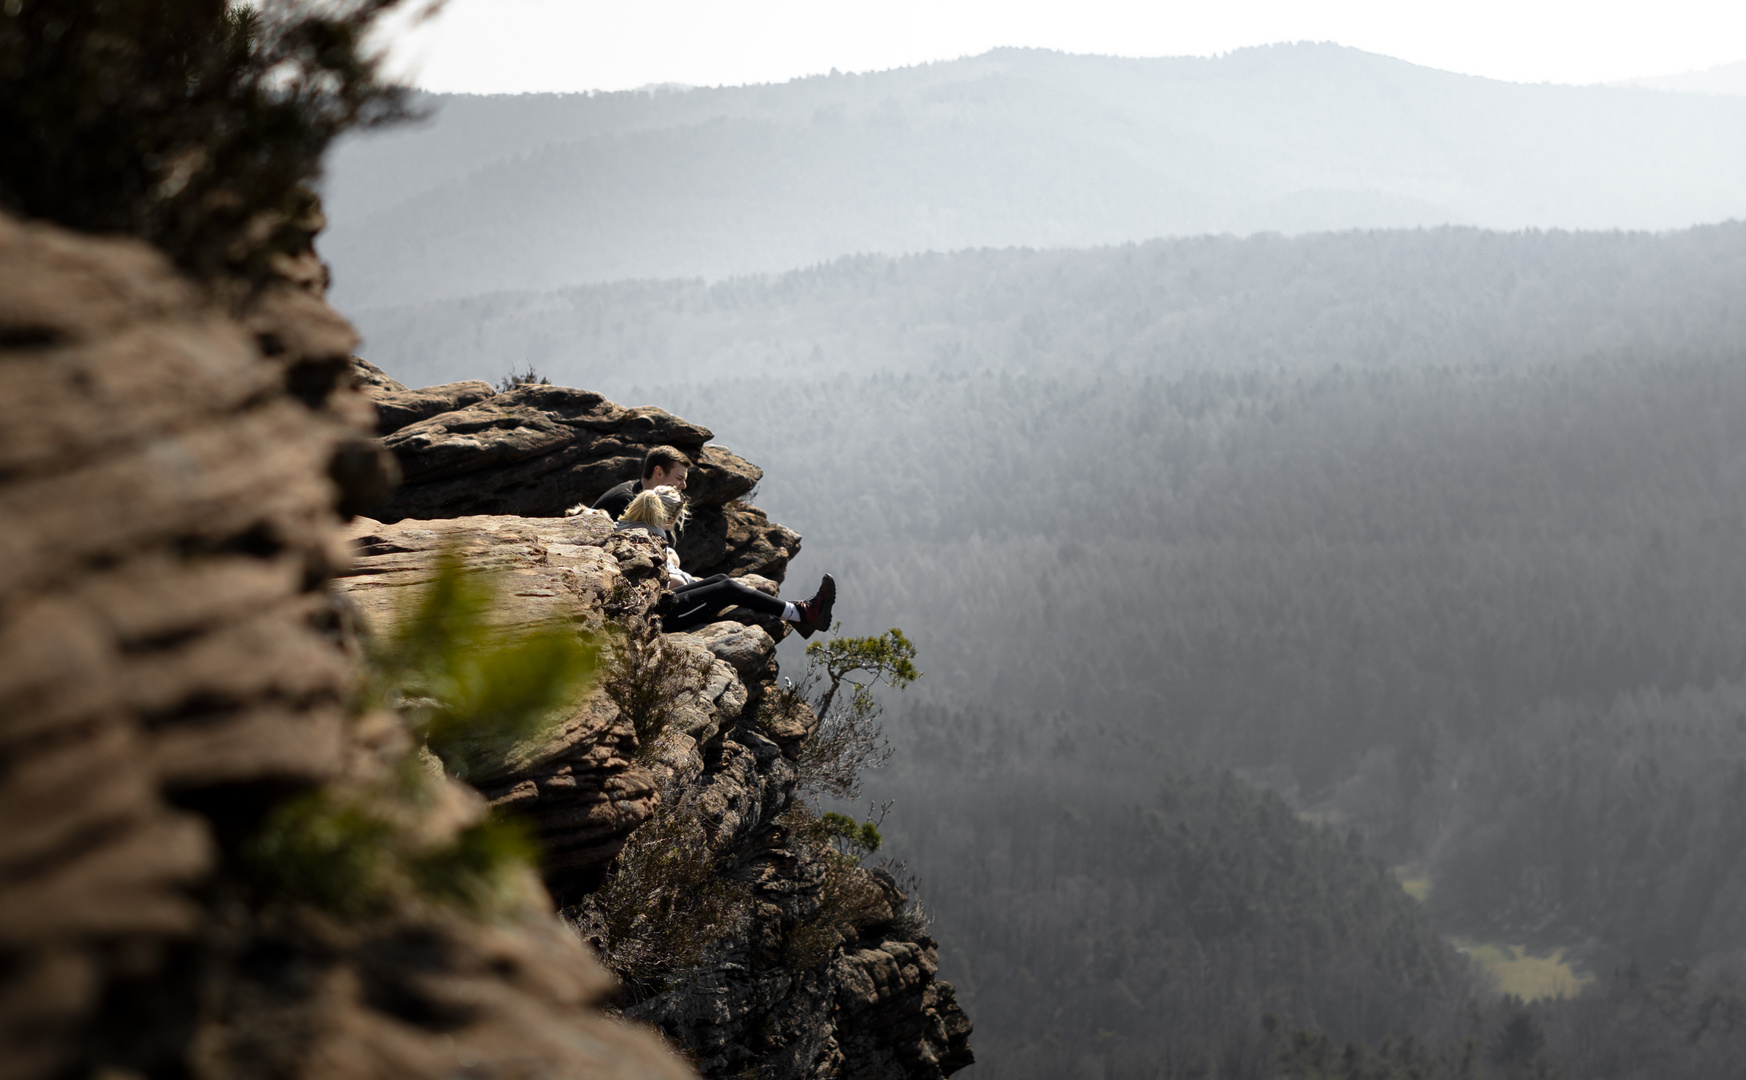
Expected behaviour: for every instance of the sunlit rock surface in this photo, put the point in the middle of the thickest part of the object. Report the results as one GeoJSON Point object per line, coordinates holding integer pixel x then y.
{"type": "Point", "coordinates": [578, 785]}
{"type": "Point", "coordinates": [396, 409]}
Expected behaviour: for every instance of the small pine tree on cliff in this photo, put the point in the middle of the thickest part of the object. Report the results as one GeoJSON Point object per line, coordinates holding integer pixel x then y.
{"type": "Point", "coordinates": [841, 675]}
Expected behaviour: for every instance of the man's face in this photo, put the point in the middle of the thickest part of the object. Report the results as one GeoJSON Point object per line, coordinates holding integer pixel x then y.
{"type": "Point", "coordinates": [664, 478]}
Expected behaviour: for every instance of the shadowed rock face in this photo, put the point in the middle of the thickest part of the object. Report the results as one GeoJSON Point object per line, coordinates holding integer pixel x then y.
{"type": "Point", "coordinates": [876, 1010]}
{"type": "Point", "coordinates": [537, 448]}
{"type": "Point", "coordinates": [872, 1008]}
{"type": "Point", "coordinates": [172, 666]}
{"type": "Point", "coordinates": [737, 539]}
{"type": "Point", "coordinates": [536, 451]}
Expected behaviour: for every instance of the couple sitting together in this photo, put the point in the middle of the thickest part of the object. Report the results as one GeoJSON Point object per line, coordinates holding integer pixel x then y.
{"type": "Point", "coordinates": [655, 505]}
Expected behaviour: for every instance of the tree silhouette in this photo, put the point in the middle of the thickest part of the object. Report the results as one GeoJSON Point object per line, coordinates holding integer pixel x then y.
{"type": "Point", "coordinates": [193, 124]}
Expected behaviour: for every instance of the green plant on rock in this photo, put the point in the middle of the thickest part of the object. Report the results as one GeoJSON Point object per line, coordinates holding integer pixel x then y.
{"type": "Point", "coordinates": [468, 687]}
{"type": "Point", "coordinates": [317, 850]}
{"type": "Point", "coordinates": [648, 679]}
{"type": "Point", "coordinates": [469, 690]}
{"type": "Point", "coordinates": [840, 677]}
{"type": "Point", "coordinates": [514, 379]}
{"type": "Point", "coordinates": [838, 688]}
{"type": "Point", "coordinates": [912, 918]}
{"type": "Point", "coordinates": [669, 900]}
{"type": "Point", "coordinates": [353, 855]}
{"type": "Point", "coordinates": [850, 898]}
{"type": "Point", "coordinates": [472, 872]}
{"type": "Point", "coordinates": [852, 840]}
{"type": "Point", "coordinates": [665, 904]}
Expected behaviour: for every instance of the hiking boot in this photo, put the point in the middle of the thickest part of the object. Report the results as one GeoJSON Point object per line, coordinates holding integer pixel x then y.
{"type": "Point", "coordinates": [816, 613]}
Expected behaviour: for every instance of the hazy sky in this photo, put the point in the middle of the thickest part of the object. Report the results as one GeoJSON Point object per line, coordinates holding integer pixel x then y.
{"type": "Point", "coordinates": [490, 46]}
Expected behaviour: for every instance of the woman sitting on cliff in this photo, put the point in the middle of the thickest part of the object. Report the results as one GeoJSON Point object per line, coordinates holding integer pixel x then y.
{"type": "Point", "coordinates": [661, 513]}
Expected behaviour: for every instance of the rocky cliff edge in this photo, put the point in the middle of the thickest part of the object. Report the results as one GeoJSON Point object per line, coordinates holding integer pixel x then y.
{"type": "Point", "coordinates": [798, 984]}
{"type": "Point", "coordinates": [181, 619]}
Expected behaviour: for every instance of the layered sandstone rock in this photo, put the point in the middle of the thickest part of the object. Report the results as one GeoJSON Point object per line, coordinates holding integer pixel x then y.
{"type": "Point", "coordinates": [396, 409]}
{"type": "Point", "coordinates": [367, 376]}
{"type": "Point", "coordinates": [167, 511]}
{"type": "Point", "coordinates": [862, 999]}
{"type": "Point", "coordinates": [173, 667]}
{"type": "Point", "coordinates": [578, 785]}
{"type": "Point", "coordinates": [537, 450]}
{"type": "Point", "coordinates": [894, 1017]}
{"type": "Point", "coordinates": [737, 539]}
{"type": "Point", "coordinates": [177, 663]}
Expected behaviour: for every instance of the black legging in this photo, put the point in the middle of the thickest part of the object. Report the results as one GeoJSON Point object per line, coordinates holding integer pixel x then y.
{"type": "Point", "coordinates": [699, 601]}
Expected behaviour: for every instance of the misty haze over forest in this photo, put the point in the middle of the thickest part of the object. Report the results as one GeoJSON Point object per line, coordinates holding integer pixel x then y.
{"type": "Point", "coordinates": [1298, 470]}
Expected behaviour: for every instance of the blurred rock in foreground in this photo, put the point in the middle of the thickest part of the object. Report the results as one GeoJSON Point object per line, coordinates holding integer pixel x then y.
{"type": "Point", "coordinates": [173, 668]}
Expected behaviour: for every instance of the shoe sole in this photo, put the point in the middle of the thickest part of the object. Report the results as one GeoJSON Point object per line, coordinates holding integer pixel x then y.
{"type": "Point", "coordinates": [828, 589]}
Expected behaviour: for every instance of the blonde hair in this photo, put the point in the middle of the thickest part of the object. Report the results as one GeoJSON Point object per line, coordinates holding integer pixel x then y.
{"type": "Point", "coordinates": [662, 507]}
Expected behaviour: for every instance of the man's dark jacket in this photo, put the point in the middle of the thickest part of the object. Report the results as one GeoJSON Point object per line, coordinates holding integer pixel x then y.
{"type": "Point", "coordinates": [616, 499]}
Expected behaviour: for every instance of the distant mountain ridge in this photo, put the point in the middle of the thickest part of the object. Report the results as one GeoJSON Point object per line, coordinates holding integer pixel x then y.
{"type": "Point", "coordinates": [1011, 148]}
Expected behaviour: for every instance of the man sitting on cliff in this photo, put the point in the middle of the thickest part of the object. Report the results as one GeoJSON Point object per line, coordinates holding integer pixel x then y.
{"type": "Point", "coordinates": [663, 466]}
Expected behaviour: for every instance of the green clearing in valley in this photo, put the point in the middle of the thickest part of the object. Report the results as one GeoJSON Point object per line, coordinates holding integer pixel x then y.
{"type": "Point", "coordinates": [1527, 975]}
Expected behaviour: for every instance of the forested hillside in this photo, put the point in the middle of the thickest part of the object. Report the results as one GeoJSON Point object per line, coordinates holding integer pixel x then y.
{"type": "Point", "coordinates": [1437, 534]}
{"type": "Point", "coordinates": [1219, 312]}
{"type": "Point", "coordinates": [1014, 147]}
{"type": "Point", "coordinates": [1116, 910]}
{"type": "Point", "coordinates": [1109, 898]}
